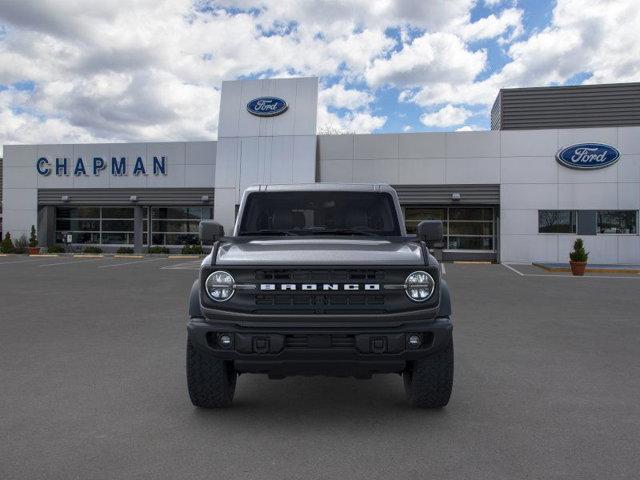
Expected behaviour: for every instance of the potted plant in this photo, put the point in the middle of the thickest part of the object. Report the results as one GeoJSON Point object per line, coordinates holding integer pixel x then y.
{"type": "Point", "coordinates": [578, 258]}
{"type": "Point", "coordinates": [33, 242]}
{"type": "Point", "coordinates": [21, 245]}
{"type": "Point", "coordinates": [7, 244]}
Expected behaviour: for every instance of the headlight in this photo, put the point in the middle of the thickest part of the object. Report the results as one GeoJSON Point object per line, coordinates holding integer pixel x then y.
{"type": "Point", "coordinates": [419, 286]}
{"type": "Point", "coordinates": [220, 286]}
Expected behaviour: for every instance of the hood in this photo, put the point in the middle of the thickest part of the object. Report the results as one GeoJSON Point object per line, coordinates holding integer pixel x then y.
{"type": "Point", "coordinates": [319, 251]}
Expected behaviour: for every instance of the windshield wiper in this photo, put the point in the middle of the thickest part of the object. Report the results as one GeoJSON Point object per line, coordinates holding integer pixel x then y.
{"type": "Point", "coordinates": [266, 231]}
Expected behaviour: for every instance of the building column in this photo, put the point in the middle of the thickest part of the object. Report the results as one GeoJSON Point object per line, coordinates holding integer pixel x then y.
{"type": "Point", "coordinates": [46, 229]}
{"type": "Point", "coordinates": [138, 228]}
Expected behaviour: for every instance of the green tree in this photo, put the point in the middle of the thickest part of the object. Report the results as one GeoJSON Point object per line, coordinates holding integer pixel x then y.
{"type": "Point", "coordinates": [579, 254]}
{"type": "Point", "coordinates": [33, 239]}
{"type": "Point", "coordinates": [7, 244]}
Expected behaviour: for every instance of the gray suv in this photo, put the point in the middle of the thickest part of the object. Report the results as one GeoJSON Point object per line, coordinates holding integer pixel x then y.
{"type": "Point", "coordinates": [320, 279]}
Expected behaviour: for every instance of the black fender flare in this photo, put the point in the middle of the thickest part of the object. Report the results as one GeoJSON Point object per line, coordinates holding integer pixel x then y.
{"type": "Point", "coordinates": [444, 310]}
{"type": "Point", "coordinates": [194, 300]}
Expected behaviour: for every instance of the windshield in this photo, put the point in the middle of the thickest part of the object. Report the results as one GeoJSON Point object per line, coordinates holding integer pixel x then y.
{"type": "Point", "coordinates": [319, 213]}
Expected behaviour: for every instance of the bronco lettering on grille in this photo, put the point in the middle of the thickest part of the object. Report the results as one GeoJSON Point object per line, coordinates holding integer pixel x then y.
{"type": "Point", "coordinates": [318, 286]}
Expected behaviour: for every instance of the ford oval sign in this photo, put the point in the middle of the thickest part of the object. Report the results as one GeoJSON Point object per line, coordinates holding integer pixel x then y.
{"type": "Point", "coordinates": [588, 156]}
{"type": "Point", "coordinates": [267, 106]}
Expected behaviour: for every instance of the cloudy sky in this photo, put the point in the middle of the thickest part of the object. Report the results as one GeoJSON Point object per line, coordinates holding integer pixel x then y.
{"type": "Point", "coordinates": [125, 70]}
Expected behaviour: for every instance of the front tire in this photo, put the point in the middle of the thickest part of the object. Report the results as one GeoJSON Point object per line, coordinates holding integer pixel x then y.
{"type": "Point", "coordinates": [211, 381]}
{"type": "Point", "coordinates": [428, 381]}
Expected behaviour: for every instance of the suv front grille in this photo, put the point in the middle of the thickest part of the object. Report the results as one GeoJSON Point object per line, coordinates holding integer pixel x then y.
{"type": "Point", "coordinates": [319, 341]}
{"type": "Point", "coordinates": [320, 276]}
{"type": "Point", "coordinates": [289, 292]}
{"type": "Point", "coordinates": [318, 299]}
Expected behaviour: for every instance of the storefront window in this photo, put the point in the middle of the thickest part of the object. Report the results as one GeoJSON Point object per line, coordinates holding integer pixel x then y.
{"type": "Point", "coordinates": [82, 223]}
{"type": "Point", "coordinates": [414, 215]}
{"type": "Point", "coordinates": [618, 221]}
{"type": "Point", "coordinates": [177, 225]}
{"type": "Point", "coordinates": [95, 225]}
{"type": "Point", "coordinates": [556, 221]}
{"type": "Point", "coordinates": [464, 228]}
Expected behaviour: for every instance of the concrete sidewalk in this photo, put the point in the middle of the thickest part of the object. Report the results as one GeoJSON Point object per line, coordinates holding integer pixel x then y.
{"type": "Point", "coordinates": [593, 268]}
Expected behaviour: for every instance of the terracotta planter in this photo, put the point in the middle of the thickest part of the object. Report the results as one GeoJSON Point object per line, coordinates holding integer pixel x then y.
{"type": "Point", "coordinates": [578, 268]}
{"type": "Point", "coordinates": [34, 250]}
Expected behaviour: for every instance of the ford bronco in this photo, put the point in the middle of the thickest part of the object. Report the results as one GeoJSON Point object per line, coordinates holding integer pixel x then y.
{"type": "Point", "coordinates": [320, 279]}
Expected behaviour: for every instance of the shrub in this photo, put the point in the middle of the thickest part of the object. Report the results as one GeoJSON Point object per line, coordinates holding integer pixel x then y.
{"type": "Point", "coordinates": [7, 244]}
{"type": "Point", "coordinates": [158, 249]}
{"type": "Point", "coordinates": [125, 250]}
{"type": "Point", "coordinates": [55, 249]}
{"type": "Point", "coordinates": [579, 254]}
{"type": "Point", "coordinates": [92, 249]}
{"type": "Point", "coordinates": [33, 238]}
{"type": "Point", "coordinates": [192, 249]}
{"type": "Point", "coordinates": [21, 245]}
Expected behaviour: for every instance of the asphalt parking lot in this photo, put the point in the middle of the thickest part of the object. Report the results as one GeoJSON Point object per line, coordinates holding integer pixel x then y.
{"type": "Point", "coordinates": [92, 385]}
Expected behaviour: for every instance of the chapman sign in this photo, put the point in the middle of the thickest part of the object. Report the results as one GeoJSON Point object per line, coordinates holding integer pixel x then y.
{"type": "Point", "coordinates": [96, 165]}
{"type": "Point", "coordinates": [267, 106]}
{"type": "Point", "coordinates": [588, 156]}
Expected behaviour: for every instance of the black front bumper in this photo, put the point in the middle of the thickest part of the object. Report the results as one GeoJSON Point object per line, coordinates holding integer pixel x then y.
{"type": "Point", "coordinates": [341, 351]}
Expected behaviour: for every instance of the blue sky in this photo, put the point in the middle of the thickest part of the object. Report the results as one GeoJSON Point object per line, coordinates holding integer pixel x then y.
{"type": "Point", "coordinates": [77, 71]}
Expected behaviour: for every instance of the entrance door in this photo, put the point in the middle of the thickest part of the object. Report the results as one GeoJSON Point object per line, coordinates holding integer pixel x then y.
{"type": "Point", "coordinates": [469, 231]}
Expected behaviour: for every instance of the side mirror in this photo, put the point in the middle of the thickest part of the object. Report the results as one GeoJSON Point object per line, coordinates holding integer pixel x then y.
{"type": "Point", "coordinates": [210, 232]}
{"type": "Point", "coordinates": [430, 231]}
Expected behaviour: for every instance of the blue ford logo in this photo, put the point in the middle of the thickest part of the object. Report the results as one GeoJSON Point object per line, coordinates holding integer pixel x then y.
{"type": "Point", "coordinates": [267, 106]}
{"type": "Point", "coordinates": [588, 156]}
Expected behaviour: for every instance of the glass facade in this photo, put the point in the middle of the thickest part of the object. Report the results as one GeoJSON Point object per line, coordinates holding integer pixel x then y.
{"type": "Point", "coordinates": [618, 221]}
{"type": "Point", "coordinates": [556, 221]}
{"type": "Point", "coordinates": [115, 225]}
{"type": "Point", "coordinates": [177, 225]}
{"type": "Point", "coordinates": [464, 228]}
{"type": "Point", "coordinates": [588, 222]}
{"type": "Point", "coordinates": [95, 225]}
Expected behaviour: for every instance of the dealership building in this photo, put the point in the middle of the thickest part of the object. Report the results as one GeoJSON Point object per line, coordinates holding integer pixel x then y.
{"type": "Point", "coordinates": [559, 163]}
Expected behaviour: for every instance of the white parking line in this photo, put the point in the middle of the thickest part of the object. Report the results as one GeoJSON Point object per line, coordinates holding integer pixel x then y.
{"type": "Point", "coordinates": [130, 263]}
{"type": "Point", "coordinates": [617, 277]}
{"type": "Point", "coordinates": [70, 262]}
{"type": "Point", "coordinates": [444, 270]}
{"type": "Point", "coordinates": [513, 269]}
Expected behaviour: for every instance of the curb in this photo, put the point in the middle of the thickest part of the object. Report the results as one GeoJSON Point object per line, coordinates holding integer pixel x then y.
{"type": "Point", "coordinates": [472, 262]}
{"type": "Point", "coordinates": [589, 270]}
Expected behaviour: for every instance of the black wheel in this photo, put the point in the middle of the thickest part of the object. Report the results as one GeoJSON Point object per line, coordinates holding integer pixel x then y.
{"type": "Point", "coordinates": [428, 382]}
{"type": "Point", "coordinates": [211, 381]}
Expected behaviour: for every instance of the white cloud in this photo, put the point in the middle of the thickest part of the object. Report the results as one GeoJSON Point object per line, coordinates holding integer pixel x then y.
{"type": "Point", "coordinates": [433, 57]}
{"type": "Point", "coordinates": [351, 122]}
{"type": "Point", "coordinates": [338, 96]}
{"type": "Point", "coordinates": [331, 17]}
{"type": "Point", "coordinates": [151, 69]}
{"type": "Point", "coordinates": [447, 116]}
{"type": "Point", "coordinates": [358, 118]}
{"type": "Point", "coordinates": [583, 37]}
{"type": "Point", "coordinates": [407, 128]}
{"type": "Point", "coordinates": [469, 128]}
{"type": "Point", "coordinates": [509, 20]}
